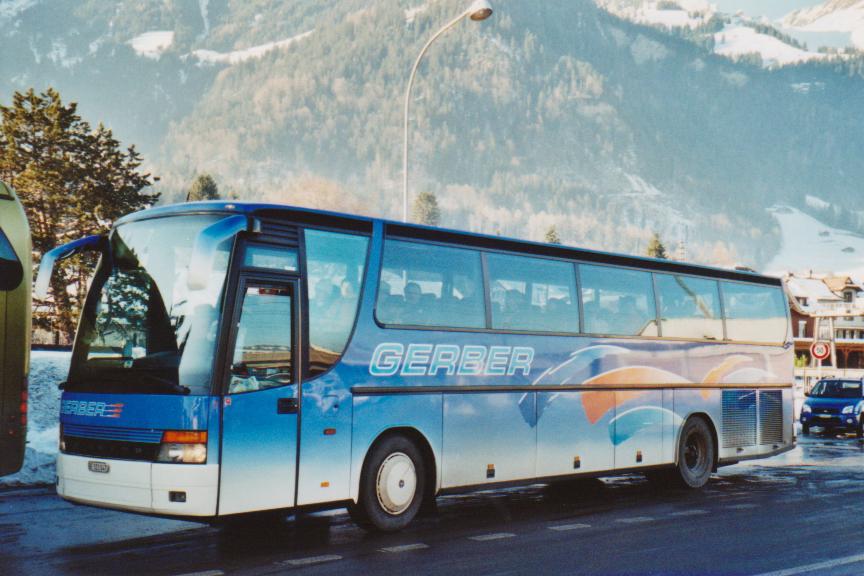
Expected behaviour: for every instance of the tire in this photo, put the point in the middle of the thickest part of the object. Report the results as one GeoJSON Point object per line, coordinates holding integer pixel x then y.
{"type": "Point", "coordinates": [696, 454]}
{"type": "Point", "coordinates": [805, 429]}
{"type": "Point", "coordinates": [859, 430]}
{"type": "Point", "coordinates": [392, 486]}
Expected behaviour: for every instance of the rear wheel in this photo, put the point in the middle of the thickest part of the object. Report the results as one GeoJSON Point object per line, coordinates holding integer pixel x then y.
{"type": "Point", "coordinates": [696, 454]}
{"type": "Point", "coordinates": [392, 485]}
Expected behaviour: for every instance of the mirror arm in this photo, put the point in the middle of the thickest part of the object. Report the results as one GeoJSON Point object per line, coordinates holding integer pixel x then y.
{"type": "Point", "coordinates": [52, 257]}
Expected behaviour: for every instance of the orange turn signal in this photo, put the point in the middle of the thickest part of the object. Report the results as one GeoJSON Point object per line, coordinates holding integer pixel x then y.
{"type": "Point", "coordinates": [184, 437]}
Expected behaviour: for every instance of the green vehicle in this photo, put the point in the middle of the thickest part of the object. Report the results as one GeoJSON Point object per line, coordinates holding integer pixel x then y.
{"type": "Point", "coordinates": [15, 284]}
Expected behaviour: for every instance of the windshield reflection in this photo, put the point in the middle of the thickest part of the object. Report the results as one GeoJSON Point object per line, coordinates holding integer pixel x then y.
{"type": "Point", "coordinates": [143, 330]}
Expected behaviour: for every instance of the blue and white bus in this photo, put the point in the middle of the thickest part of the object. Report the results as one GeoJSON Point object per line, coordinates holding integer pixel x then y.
{"type": "Point", "coordinates": [239, 358]}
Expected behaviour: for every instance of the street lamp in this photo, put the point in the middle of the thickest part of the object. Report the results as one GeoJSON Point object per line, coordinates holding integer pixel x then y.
{"type": "Point", "coordinates": [478, 11]}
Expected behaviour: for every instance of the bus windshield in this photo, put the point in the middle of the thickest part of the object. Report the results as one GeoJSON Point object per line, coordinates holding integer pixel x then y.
{"type": "Point", "coordinates": [143, 330]}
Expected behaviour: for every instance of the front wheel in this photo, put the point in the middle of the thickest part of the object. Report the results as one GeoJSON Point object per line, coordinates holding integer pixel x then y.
{"type": "Point", "coordinates": [392, 486]}
{"type": "Point", "coordinates": [805, 429]}
{"type": "Point", "coordinates": [859, 430]}
{"type": "Point", "coordinates": [696, 454]}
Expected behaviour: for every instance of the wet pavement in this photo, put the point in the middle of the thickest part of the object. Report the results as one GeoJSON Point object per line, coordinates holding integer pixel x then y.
{"type": "Point", "coordinates": [799, 513]}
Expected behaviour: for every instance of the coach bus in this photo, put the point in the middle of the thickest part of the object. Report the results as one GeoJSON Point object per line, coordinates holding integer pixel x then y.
{"type": "Point", "coordinates": [15, 275]}
{"type": "Point", "coordinates": [239, 358]}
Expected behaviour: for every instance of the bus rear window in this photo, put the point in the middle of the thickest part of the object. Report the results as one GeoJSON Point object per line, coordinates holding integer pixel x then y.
{"type": "Point", "coordinates": [428, 285]}
{"type": "Point", "coordinates": [754, 313]}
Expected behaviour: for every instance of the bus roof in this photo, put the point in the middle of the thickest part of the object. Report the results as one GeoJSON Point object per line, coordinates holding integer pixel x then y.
{"type": "Point", "coordinates": [430, 233]}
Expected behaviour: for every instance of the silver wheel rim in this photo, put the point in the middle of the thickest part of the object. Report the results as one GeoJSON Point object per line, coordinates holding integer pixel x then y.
{"type": "Point", "coordinates": [396, 483]}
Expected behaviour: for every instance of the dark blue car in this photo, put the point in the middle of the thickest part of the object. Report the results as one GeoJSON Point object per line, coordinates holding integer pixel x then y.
{"type": "Point", "coordinates": [834, 404]}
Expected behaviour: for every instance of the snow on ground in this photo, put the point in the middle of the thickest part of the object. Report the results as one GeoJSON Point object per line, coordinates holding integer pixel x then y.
{"type": "Point", "coordinates": [238, 56]}
{"type": "Point", "coordinates": [411, 13]}
{"type": "Point", "coordinates": [831, 16]}
{"type": "Point", "coordinates": [739, 40]}
{"type": "Point", "coordinates": [152, 44]}
{"type": "Point", "coordinates": [816, 202]}
{"type": "Point", "coordinates": [47, 369]}
{"type": "Point", "coordinates": [11, 8]}
{"type": "Point", "coordinates": [808, 244]}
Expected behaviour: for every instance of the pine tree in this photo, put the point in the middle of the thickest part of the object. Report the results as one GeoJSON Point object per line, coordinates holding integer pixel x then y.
{"type": "Point", "coordinates": [73, 181]}
{"type": "Point", "coordinates": [203, 188]}
{"type": "Point", "coordinates": [552, 235]}
{"type": "Point", "coordinates": [656, 249]}
{"type": "Point", "coordinates": [426, 210]}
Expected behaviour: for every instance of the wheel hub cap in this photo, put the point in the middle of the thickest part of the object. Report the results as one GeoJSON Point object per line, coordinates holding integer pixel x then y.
{"type": "Point", "coordinates": [396, 483]}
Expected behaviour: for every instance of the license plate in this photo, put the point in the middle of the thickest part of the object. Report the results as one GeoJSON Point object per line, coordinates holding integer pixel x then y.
{"type": "Point", "coordinates": [98, 467]}
{"type": "Point", "coordinates": [824, 416]}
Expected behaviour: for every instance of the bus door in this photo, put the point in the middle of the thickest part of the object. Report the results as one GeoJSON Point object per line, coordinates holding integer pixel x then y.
{"type": "Point", "coordinates": [260, 407]}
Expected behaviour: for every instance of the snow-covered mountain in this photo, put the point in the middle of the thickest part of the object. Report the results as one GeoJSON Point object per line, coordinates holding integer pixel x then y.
{"type": "Point", "coordinates": [837, 16]}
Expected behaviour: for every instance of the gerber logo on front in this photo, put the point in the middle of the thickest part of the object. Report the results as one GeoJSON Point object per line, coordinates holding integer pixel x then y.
{"type": "Point", "coordinates": [93, 409]}
{"type": "Point", "coordinates": [391, 358]}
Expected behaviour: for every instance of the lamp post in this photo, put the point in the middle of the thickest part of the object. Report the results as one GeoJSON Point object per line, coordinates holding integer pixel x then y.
{"type": "Point", "coordinates": [478, 11]}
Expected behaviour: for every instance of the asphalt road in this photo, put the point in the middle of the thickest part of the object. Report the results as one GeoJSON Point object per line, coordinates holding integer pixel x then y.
{"type": "Point", "coordinates": [800, 513]}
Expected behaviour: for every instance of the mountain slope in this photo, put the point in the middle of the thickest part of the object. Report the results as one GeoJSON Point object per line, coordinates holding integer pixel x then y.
{"type": "Point", "coordinates": [556, 114]}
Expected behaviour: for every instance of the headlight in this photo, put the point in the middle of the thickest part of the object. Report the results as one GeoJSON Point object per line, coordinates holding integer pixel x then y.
{"type": "Point", "coordinates": [848, 409]}
{"type": "Point", "coordinates": [183, 447]}
{"type": "Point", "coordinates": [805, 409]}
{"type": "Point", "coordinates": [183, 453]}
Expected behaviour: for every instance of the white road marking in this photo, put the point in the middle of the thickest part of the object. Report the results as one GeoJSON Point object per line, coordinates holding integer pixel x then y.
{"type": "Point", "coordinates": [742, 506]}
{"type": "Point", "coordinates": [565, 527]}
{"type": "Point", "coordinates": [695, 512]}
{"type": "Point", "coordinates": [635, 520]}
{"type": "Point", "coordinates": [405, 548]}
{"type": "Point", "coordinates": [818, 566]}
{"type": "Point", "coordinates": [311, 560]}
{"type": "Point", "coordinates": [205, 573]}
{"type": "Point", "coordinates": [489, 537]}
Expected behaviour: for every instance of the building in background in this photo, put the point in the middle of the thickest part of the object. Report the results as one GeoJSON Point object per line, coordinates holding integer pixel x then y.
{"type": "Point", "coordinates": [830, 309]}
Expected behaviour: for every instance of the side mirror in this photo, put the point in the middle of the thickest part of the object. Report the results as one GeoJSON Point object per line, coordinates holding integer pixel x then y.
{"type": "Point", "coordinates": [207, 243]}
{"type": "Point", "coordinates": [50, 258]}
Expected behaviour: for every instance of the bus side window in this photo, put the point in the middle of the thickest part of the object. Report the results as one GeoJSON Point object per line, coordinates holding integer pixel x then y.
{"type": "Point", "coordinates": [335, 265]}
{"type": "Point", "coordinates": [618, 301]}
{"type": "Point", "coordinates": [532, 294]}
{"type": "Point", "coordinates": [429, 285]}
{"type": "Point", "coordinates": [11, 272]}
{"type": "Point", "coordinates": [754, 313]}
{"type": "Point", "coordinates": [689, 307]}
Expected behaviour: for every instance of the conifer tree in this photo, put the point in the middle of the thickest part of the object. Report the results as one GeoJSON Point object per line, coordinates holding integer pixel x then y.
{"type": "Point", "coordinates": [552, 236]}
{"type": "Point", "coordinates": [656, 249]}
{"type": "Point", "coordinates": [73, 181]}
{"type": "Point", "coordinates": [203, 188]}
{"type": "Point", "coordinates": [426, 210]}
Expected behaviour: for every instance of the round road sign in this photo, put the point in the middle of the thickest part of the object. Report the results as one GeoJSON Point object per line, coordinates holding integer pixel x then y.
{"type": "Point", "coordinates": [820, 350]}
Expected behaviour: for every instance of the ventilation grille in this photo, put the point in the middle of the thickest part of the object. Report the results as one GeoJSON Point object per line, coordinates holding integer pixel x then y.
{"type": "Point", "coordinates": [739, 418]}
{"type": "Point", "coordinates": [279, 231]}
{"type": "Point", "coordinates": [771, 417]}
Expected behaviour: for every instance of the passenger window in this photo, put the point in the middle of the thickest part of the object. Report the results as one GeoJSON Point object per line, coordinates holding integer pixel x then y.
{"type": "Point", "coordinates": [428, 285]}
{"type": "Point", "coordinates": [263, 351]}
{"type": "Point", "coordinates": [617, 301]}
{"type": "Point", "coordinates": [689, 307]}
{"type": "Point", "coordinates": [754, 313]}
{"type": "Point", "coordinates": [271, 257]}
{"type": "Point", "coordinates": [335, 264]}
{"type": "Point", "coordinates": [532, 294]}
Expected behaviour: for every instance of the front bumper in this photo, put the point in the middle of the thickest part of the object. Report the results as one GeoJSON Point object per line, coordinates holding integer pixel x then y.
{"type": "Point", "coordinates": [832, 421]}
{"type": "Point", "coordinates": [139, 486]}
